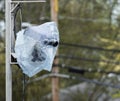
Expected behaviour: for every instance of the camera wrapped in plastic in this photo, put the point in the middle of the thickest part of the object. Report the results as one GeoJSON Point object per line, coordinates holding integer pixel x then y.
{"type": "Point", "coordinates": [35, 48]}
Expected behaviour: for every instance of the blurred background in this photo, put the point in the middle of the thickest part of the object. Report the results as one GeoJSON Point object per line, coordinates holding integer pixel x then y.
{"type": "Point", "coordinates": [89, 51]}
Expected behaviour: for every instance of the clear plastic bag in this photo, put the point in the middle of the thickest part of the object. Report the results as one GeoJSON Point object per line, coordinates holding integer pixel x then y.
{"type": "Point", "coordinates": [35, 48]}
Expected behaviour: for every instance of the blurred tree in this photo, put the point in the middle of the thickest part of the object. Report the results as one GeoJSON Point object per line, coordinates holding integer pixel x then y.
{"type": "Point", "coordinates": [2, 54]}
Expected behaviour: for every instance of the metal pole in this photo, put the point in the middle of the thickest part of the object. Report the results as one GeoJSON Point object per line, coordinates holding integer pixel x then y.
{"type": "Point", "coordinates": [55, 80]}
{"type": "Point", "coordinates": [29, 1]}
{"type": "Point", "coordinates": [8, 51]}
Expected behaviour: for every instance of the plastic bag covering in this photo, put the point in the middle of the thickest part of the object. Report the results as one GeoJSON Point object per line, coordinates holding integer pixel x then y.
{"type": "Point", "coordinates": [35, 48]}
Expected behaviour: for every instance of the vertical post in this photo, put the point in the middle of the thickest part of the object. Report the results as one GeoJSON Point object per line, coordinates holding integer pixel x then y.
{"type": "Point", "coordinates": [54, 10]}
{"type": "Point", "coordinates": [55, 80]}
{"type": "Point", "coordinates": [8, 51]}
